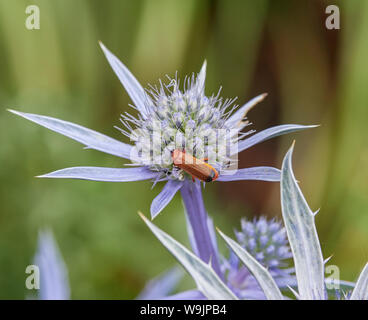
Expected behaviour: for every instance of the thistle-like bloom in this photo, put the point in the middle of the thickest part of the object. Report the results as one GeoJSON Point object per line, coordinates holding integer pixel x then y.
{"type": "Point", "coordinates": [171, 118]}
{"type": "Point", "coordinates": [299, 220]}
{"type": "Point", "coordinates": [266, 241]}
{"type": "Point", "coordinates": [54, 284]}
{"type": "Point", "coordinates": [185, 119]}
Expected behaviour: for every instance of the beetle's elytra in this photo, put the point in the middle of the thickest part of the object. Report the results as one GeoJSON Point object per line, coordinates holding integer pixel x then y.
{"type": "Point", "coordinates": [198, 169]}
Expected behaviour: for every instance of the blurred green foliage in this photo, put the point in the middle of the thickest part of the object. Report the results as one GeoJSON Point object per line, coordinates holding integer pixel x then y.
{"type": "Point", "coordinates": [312, 75]}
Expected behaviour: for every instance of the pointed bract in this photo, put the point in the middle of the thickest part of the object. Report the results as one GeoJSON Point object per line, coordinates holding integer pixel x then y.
{"type": "Point", "coordinates": [302, 234]}
{"type": "Point", "coordinates": [264, 278]}
{"type": "Point", "coordinates": [254, 173]}
{"type": "Point", "coordinates": [88, 137]}
{"type": "Point", "coordinates": [130, 83]}
{"type": "Point", "coordinates": [54, 283]}
{"type": "Point", "coordinates": [270, 133]}
{"type": "Point", "coordinates": [165, 196]}
{"type": "Point", "coordinates": [360, 291]}
{"type": "Point", "coordinates": [236, 118]}
{"type": "Point", "coordinates": [161, 286]}
{"type": "Point", "coordinates": [201, 79]}
{"type": "Point", "coordinates": [103, 174]}
{"type": "Point", "coordinates": [205, 277]}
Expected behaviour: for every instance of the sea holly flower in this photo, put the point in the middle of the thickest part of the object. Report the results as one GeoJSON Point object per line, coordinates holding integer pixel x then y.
{"type": "Point", "coordinates": [265, 241]}
{"type": "Point", "coordinates": [54, 284]}
{"type": "Point", "coordinates": [299, 221]}
{"type": "Point", "coordinates": [170, 118]}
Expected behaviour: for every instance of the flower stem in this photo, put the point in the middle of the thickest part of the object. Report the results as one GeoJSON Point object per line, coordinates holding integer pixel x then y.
{"type": "Point", "coordinates": [202, 238]}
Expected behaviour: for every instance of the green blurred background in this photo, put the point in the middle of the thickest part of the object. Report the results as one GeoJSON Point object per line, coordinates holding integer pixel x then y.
{"type": "Point", "coordinates": [313, 76]}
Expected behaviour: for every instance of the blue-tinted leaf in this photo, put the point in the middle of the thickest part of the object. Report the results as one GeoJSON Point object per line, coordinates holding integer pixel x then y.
{"type": "Point", "coordinates": [360, 291]}
{"type": "Point", "coordinates": [270, 133]}
{"type": "Point", "coordinates": [54, 283]}
{"type": "Point", "coordinates": [165, 196]}
{"type": "Point", "coordinates": [161, 286]}
{"type": "Point", "coordinates": [255, 173]}
{"type": "Point", "coordinates": [239, 115]}
{"type": "Point", "coordinates": [203, 274]}
{"type": "Point", "coordinates": [302, 235]}
{"type": "Point", "coordinates": [130, 83]}
{"type": "Point", "coordinates": [88, 137]}
{"type": "Point", "coordinates": [264, 278]}
{"type": "Point", "coordinates": [103, 174]}
{"type": "Point", "coordinates": [201, 79]}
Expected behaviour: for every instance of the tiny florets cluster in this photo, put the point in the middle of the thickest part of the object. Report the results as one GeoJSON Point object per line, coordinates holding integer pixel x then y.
{"type": "Point", "coordinates": [182, 119]}
{"type": "Point", "coordinates": [266, 241]}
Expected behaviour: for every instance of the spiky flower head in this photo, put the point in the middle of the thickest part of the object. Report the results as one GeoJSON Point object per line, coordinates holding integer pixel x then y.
{"type": "Point", "coordinates": [266, 241]}
{"type": "Point", "coordinates": [185, 119]}
{"type": "Point", "coordinates": [170, 118]}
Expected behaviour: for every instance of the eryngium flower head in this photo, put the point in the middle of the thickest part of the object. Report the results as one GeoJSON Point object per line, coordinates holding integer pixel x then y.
{"type": "Point", "coordinates": [267, 242]}
{"type": "Point", "coordinates": [170, 118]}
{"type": "Point", "coordinates": [186, 120]}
